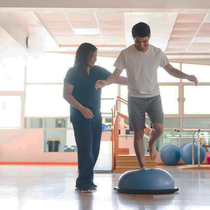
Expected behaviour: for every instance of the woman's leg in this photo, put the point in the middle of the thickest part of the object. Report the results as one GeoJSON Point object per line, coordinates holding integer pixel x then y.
{"type": "Point", "coordinates": [84, 140]}
{"type": "Point", "coordinates": [96, 130]}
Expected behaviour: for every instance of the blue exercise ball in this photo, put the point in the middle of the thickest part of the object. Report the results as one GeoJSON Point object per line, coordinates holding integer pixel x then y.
{"type": "Point", "coordinates": [181, 147]}
{"type": "Point", "coordinates": [170, 154]}
{"type": "Point", "coordinates": [149, 181]}
{"type": "Point", "coordinates": [186, 153]}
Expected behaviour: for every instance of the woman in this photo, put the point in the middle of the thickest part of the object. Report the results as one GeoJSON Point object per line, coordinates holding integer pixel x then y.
{"type": "Point", "coordinates": [85, 115]}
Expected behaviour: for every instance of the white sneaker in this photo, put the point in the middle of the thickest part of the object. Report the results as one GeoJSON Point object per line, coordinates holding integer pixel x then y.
{"type": "Point", "coordinates": [86, 190]}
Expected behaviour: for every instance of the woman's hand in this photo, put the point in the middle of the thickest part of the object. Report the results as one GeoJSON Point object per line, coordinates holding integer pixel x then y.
{"type": "Point", "coordinates": [87, 113]}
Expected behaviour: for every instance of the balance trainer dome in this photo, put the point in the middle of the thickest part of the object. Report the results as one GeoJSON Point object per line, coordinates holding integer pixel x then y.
{"type": "Point", "coordinates": [149, 181]}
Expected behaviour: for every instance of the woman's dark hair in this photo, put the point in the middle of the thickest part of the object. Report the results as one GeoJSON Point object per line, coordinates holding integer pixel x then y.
{"type": "Point", "coordinates": [141, 30]}
{"type": "Point", "coordinates": [84, 50]}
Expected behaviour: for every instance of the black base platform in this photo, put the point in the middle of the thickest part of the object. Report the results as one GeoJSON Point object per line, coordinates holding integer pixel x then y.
{"type": "Point", "coordinates": [129, 191]}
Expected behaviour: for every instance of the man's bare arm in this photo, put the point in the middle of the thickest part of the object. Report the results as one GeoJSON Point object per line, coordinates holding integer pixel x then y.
{"type": "Point", "coordinates": [178, 74]}
{"type": "Point", "coordinates": [111, 79]}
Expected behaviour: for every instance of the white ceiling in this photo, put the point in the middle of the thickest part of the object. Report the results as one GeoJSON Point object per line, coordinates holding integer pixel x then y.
{"type": "Point", "coordinates": [178, 33]}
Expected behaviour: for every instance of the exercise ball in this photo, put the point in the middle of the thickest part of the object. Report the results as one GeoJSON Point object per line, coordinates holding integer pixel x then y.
{"type": "Point", "coordinates": [170, 155]}
{"type": "Point", "coordinates": [186, 153]}
{"type": "Point", "coordinates": [181, 147]}
{"type": "Point", "coordinates": [208, 158]}
{"type": "Point", "coordinates": [148, 181]}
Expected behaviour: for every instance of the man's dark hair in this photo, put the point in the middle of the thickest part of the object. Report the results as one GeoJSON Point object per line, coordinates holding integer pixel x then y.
{"type": "Point", "coordinates": [141, 30]}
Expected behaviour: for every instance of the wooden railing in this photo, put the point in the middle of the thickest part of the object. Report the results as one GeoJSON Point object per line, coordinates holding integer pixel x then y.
{"type": "Point", "coordinates": [115, 129]}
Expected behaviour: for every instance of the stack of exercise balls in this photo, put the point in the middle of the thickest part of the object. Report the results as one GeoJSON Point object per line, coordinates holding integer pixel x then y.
{"type": "Point", "coordinates": [171, 154]}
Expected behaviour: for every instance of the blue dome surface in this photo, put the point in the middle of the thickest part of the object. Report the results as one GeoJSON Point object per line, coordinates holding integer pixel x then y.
{"type": "Point", "coordinates": [149, 179]}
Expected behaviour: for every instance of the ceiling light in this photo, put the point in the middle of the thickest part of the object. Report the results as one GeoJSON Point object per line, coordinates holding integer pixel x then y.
{"type": "Point", "coordinates": [86, 31]}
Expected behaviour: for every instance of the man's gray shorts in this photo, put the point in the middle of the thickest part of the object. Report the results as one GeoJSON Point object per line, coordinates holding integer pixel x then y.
{"type": "Point", "coordinates": [137, 107]}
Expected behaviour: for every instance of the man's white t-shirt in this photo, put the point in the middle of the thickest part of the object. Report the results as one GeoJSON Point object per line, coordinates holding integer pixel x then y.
{"type": "Point", "coordinates": [141, 70]}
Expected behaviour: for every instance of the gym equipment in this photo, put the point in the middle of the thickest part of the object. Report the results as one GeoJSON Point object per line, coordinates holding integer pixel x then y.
{"type": "Point", "coordinates": [195, 131]}
{"type": "Point", "coordinates": [186, 153]}
{"type": "Point", "coordinates": [170, 154]}
{"type": "Point", "coordinates": [148, 181]}
{"type": "Point", "coordinates": [208, 158]}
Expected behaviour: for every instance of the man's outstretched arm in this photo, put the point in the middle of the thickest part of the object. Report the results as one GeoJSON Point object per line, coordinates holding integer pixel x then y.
{"type": "Point", "coordinates": [114, 77]}
{"type": "Point", "coordinates": [122, 80]}
{"type": "Point", "coordinates": [178, 74]}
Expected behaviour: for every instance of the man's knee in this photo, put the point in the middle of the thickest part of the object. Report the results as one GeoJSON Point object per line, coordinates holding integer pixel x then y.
{"type": "Point", "coordinates": [138, 135]}
{"type": "Point", "coordinates": [158, 128]}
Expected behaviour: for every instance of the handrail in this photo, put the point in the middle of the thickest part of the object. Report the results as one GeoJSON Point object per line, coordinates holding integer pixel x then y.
{"type": "Point", "coordinates": [123, 116]}
{"type": "Point", "coordinates": [118, 97]}
{"type": "Point", "coordinates": [122, 100]}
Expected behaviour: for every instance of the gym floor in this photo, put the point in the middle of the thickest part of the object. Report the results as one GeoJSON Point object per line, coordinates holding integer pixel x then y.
{"type": "Point", "coordinates": [53, 187]}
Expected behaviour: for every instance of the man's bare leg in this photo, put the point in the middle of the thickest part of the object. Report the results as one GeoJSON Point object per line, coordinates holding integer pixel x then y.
{"type": "Point", "coordinates": [139, 147]}
{"type": "Point", "coordinates": [155, 133]}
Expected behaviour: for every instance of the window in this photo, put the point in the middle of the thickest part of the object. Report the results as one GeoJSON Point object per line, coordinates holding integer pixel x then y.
{"type": "Point", "coordinates": [169, 96]}
{"type": "Point", "coordinates": [106, 63]}
{"type": "Point", "coordinates": [124, 92]}
{"type": "Point", "coordinates": [196, 100]}
{"type": "Point", "coordinates": [124, 95]}
{"type": "Point", "coordinates": [109, 91]}
{"type": "Point", "coordinates": [12, 76]}
{"type": "Point", "coordinates": [46, 101]}
{"type": "Point", "coordinates": [45, 97]}
{"type": "Point", "coordinates": [107, 105]}
{"type": "Point", "coordinates": [202, 72]}
{"type": "Point", "coordinates": [196, 122]}
{"type": "Point", "coordinates": [163, 76]}
{"type": "Point", "coordinates": [48, 67]}
{"type": "Point", "coordinates": [10, 112]}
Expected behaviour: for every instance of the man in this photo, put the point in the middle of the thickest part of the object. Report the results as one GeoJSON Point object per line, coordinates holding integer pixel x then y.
{"type": "Point", "coordinates": [141, 61]}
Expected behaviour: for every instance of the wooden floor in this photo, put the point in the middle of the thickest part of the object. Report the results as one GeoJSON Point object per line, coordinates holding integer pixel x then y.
{"type": "Point", "coordinates": [53, 188]}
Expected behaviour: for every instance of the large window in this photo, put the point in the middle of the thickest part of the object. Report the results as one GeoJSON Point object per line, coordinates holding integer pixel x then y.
{"type": "Point", "coordinates": [43, 88]}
